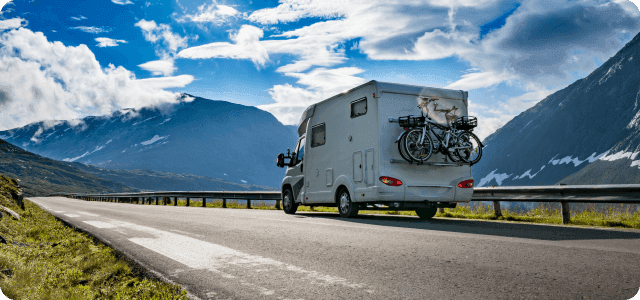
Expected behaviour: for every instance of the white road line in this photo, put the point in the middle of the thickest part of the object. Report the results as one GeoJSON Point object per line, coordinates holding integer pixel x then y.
{"type": "Point", "coordinates": [88, 214]}
{"type": "Point", "coordinates": [222, 260]}
{"type": "Point", "coordinates": [71, 215]}
{"type": "Point", "coordinates": [100, 224]}
{"type": "Point", "coordinates": [60, 211]}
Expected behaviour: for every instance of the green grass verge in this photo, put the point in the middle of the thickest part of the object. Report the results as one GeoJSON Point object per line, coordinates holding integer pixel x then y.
{"type": "Point", "coordinates": [603, 215]}
{"type": "Point", "coordinates": [49, 260]}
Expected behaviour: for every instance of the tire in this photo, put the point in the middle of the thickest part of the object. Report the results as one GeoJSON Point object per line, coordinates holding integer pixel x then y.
{"type": "Point", "coordinates": [346, 208]}
{"type": "Point", "coordinates": [416, 152]}
{"type": "Point", "coordinates": [426, 213]}
{"type": "Point", "coordinates": [289, 205]}
{"type": "Point", "coordinates": [472, 155]}
{"type": "Point", "coordinates": [402, 149]}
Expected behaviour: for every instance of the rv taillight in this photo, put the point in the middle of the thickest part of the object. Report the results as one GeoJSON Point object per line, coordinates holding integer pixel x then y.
{"type": "Point", "coordinates": [466, 184]}
{"type": "Point", "coordinates": [390, 181]}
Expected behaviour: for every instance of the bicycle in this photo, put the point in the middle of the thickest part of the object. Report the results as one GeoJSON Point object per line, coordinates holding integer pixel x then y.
{"type": "Point", "coordinates": [455, 139]}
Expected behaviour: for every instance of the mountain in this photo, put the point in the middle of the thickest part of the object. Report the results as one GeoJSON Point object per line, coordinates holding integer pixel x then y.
{"type": "Point", "coordinates": [163, 181]}
{"type": "Point", "coordinates": [40, 176]}
{"type": "Point", "coordinates": [586, 133]}
{"type": "Point", "coordinates": [196, 136]}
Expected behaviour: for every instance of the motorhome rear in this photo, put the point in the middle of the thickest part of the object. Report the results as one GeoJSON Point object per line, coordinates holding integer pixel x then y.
{"type": "Point", "coordinates": [347, 154]}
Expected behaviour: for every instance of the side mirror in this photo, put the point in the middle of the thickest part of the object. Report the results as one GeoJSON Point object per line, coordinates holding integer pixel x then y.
{"type": "Point", "coordinates": [280, 160]}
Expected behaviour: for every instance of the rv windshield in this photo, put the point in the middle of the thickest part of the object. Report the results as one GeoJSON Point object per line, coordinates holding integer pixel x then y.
{"type": "Point", "coordinates": [300, 152]}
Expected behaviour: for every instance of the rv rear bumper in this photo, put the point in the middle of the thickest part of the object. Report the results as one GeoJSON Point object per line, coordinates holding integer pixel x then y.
{"type": "Point", "coordinates": [411, 194]}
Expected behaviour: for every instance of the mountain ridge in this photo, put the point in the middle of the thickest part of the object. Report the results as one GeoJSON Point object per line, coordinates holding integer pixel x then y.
{"type": "Point", "coordinates": [198, 136]}
{"type": "Point", "coordinates": [569, 129]}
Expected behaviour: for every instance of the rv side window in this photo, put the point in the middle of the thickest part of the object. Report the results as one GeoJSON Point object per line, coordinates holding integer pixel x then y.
{"type": "Point", "coordinates": [359, 107]}
{"type": "Point", "coordinates": [317, 135]}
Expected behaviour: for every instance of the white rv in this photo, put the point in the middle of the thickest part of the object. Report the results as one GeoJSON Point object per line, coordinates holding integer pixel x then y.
{"type": "Point", "coordinates": [347, 154]}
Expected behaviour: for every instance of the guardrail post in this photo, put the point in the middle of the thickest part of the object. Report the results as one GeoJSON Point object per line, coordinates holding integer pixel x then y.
{"type": "Point", "coordinates": [566, 213]}
{"type": "Point", "coordinates": [204, 202]}
{"type": "Point", "coordinates": [175, 202]}
{"type": "Point", "coordinates": [157, 200]}
{"type": "Point", "coordinates": [188, 200]}
{"type": "Point", "coordinates": [224, 203]}
{"type": "Point", "coordinates": [496, 207]}
{"type": "Point", "coordinates": [278, 204]}
{"type": "Point", "coordinates": [248, 203]}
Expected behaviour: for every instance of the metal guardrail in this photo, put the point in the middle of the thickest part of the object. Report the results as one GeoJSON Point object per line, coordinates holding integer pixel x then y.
{"type": "Point", "coordinates": [167, 196]}
{"type": "Point", "coordinates": [565, 194]}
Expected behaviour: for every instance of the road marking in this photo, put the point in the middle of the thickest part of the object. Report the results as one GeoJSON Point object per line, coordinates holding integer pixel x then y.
{"type": "Point", "coordinates": [221, 260]}
{"type": "Point", "coordinates": [100, 224]}
{"type": "Point", "coordinates": [60, 211]}
{"type": "Point", "coordinates": [71, 215]}
{"type": "Point", "coordinates": [88, 214]}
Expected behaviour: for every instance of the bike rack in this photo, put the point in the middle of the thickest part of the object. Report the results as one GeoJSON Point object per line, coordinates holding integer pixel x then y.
{"type": "Point", "coordinates": [456, 164]}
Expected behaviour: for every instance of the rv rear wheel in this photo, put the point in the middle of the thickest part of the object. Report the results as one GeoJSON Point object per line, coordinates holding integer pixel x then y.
{"type": "Point", "coordinates": [289, 205]}
{"type": "Point", "coordinates": [346, 208]}
{"type": "Point", "coordinates": [426, 213]}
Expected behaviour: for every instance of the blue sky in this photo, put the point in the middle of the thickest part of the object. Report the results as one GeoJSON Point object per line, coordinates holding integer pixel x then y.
{"type": "Point", "coordinates": [66, 60]}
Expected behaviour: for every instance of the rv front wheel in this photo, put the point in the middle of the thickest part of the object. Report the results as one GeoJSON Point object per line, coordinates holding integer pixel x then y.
{"type": "Point", "coordinates": [426, 213]}
{"type": "Point", "coordinates": [289, 205]}
{"type": "Point", "coordinates": [347, 208]}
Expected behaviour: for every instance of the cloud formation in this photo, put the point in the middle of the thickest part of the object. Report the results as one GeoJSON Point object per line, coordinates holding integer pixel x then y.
{"type": "Point", "coordinates": [122, 2]}
{"type": "Point", "coordinates": [107, 42]}
{"type": "Point", "coordinates": [155, 33]}
{"type": "Point", "coordinates": [246, 46]}
{"type": "Point", "coordinates": [159, 67]}
{"type": "Point", "coordinates": [45, 80]}
{"type": "Point", "coordinates": [11, 23]}
{"type": "Point", "coordinates": [212, 14]}
{"type": "Point", "coordinates": [92, 29]}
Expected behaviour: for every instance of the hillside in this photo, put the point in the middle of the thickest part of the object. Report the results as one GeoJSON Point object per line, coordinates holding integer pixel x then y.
{"type": "Point", "coordinates": [590, 127]}
{"type": "Point", "coordinates": [216, 139]}
{"type": "Point", "coordinates": [40, 176]}
{"type": "Point", "coordinates": [163, 181]}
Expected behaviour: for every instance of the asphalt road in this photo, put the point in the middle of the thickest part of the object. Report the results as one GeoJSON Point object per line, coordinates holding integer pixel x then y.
{"type": "Point", "coordinates": [258, 254]}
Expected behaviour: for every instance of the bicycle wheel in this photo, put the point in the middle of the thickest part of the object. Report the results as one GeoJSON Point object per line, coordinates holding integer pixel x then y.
{"type": "Point", "coordinates": [473, 153]}
{"type": "Point", "coordinates": [401, 147]}
{"type": "Point", "coordinates": [415, 150]}
{"type": "Point", "coordinates": [451, 153]}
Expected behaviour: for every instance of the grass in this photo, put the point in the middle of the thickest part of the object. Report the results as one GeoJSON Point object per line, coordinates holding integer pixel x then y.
{"type": "Point", "coordinates": [604, 215]}
{"type": "Point", "coordinates": [47, 260]}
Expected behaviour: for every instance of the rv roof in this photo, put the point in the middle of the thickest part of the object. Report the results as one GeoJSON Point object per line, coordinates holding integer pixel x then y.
{"type": "Point", "coordinates": [395, 88]}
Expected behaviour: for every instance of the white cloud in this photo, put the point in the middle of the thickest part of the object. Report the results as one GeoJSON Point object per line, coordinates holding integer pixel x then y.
{"type": "Point", "coordinates": [247, 46]}
{"type": "Point", "coordinates": [11, 23]}
{"type": "Point", "coordinates": [159, 67]}
{"type": "Point", "coordinates": [478, 80]}
{"type": "Point", "coordinates": [321, 83]}
{"type": "Point", "coordinates": [166, 82]}
{"type": "Point", "coordinates": [153, 33]}
{"type": "Point", "coordinates": [44, 80]}
{"type": "Point", "coordinates": [107, 42]}
{"type": "Point", "coordinates": [122, 2]}
{"type": "Point", "coordinates": [80, 18]}
{"type": "Point", "coordinates": [213, 13]}
{"type": "Point", "coordinates": [92, 29]}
